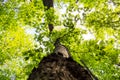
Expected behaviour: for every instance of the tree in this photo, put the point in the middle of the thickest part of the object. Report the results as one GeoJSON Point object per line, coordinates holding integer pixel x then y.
{"type": "Point", "coordinates": [57, 67]}
{"type": "Point", "coordinates": [100, 18]}
{"type": "Point", "coordinates": [48, 5]}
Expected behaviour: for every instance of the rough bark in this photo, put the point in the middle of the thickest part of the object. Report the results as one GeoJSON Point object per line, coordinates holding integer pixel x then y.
{"type": "Point", "coordinates": [56, 67]}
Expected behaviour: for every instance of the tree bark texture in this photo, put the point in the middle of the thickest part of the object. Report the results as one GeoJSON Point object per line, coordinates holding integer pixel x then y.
{"type": "Point", "coordinates": [56, 67]}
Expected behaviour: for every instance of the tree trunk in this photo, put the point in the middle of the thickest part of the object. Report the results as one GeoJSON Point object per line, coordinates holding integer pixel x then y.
{"type": "Point", "coordinates": [56, 67]}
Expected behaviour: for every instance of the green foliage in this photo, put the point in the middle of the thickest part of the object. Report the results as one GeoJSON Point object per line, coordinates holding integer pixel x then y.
{"type": "Point", "coordinates": [21, 52]}
{"type": "Point", "coordinates": [30, 13]}
{"type": "Point", "coordinates": [102, 17]}
{"type": "Point", "coordinates": [13, 43]}
{"type": "Point", "coordinates": [92, 3]}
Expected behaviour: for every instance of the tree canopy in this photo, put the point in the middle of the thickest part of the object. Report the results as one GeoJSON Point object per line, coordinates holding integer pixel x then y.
{"type": "Point", "coordinates": [73, 20]}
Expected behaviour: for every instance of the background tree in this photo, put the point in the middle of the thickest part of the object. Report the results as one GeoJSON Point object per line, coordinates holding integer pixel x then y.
{"type": "Point", "coordinates": [49, 15]}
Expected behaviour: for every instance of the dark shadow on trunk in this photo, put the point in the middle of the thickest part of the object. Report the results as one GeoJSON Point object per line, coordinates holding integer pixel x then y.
{"type": "Point", "coordinates": [56, 67]}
